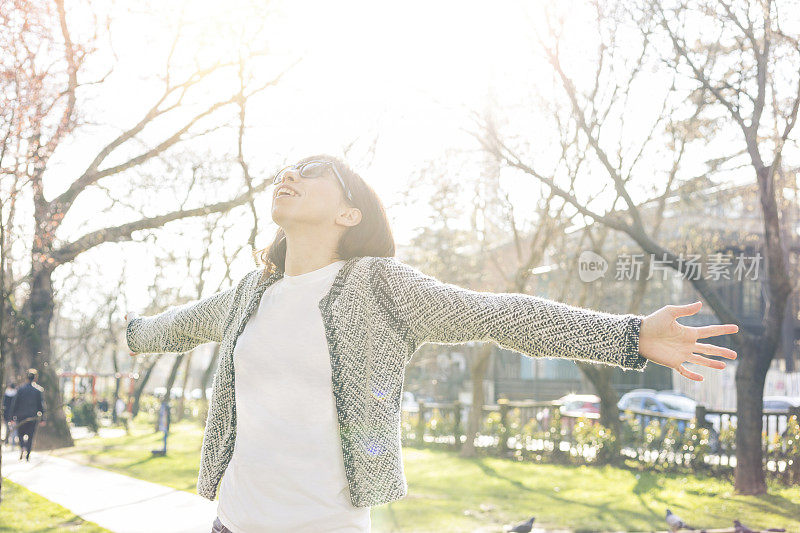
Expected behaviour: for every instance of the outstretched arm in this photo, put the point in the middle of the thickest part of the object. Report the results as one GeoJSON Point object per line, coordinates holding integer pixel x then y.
{"type": "Point", "coordinates": [443, 313]}
{"type": "Point", "coordinates": [181, 328]}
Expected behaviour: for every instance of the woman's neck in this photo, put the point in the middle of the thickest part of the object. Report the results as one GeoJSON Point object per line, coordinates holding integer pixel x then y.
{"type": "Point", "coordinates": [302, 259]}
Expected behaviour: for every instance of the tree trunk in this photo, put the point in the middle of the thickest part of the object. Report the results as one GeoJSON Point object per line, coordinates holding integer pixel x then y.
{"type": "Point", "coordinates": [600, 376]}
{"type": "Point", "coordinates": [117, 379]}
{"type": "Point", "coordinates": [751, 374]}
{"type": "Point", "coordinates": [171, 380]}
{"type": "Point", "coordinates": [141, 385]}
{"type": "Point", "coordinates": [186, 375]}
{"type": "Point", "coordinates": [479, 368]}
{"type": "Point", "coordinates": [3, 351]}
{"type": "Point", "coordinates": [34, 351]}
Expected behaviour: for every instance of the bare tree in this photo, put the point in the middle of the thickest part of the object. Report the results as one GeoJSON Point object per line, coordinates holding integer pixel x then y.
{"type": "Point", "coordinates": [42, 104]}
{"type": "Point", "coordinates": [746, 69]}
{"type": "Point", "coordinates": [588, 114]}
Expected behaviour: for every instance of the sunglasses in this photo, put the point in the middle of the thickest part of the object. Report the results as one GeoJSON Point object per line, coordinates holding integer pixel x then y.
{"type": "Point", "coordinates": [312, 169]}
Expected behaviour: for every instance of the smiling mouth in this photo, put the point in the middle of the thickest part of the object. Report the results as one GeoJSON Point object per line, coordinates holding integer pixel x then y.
{"type": "Point", "coordinates": [284, 192]}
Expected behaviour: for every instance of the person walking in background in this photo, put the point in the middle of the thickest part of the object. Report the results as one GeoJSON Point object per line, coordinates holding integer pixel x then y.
{"type": "Point", "coordinates": [26, 408]}
{"type": "Point", "coordinates": [307, 436]}
{"type": "Point", "coordinates": [8, 398]}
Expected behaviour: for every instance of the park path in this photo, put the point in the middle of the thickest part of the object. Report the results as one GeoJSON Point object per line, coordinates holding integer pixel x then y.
{"type": "Point", "coordinates": [114, 501]}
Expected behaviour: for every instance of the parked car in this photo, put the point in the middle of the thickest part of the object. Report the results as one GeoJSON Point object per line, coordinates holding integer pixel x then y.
{"type": "Point", "coordinates": [667, 403]}
{"type": "Point", "coordinates": [571, 406]}
{"type": "Point", "coordinates": [577, 405]}
{"type": "Point", "coordinates": [779, 404]}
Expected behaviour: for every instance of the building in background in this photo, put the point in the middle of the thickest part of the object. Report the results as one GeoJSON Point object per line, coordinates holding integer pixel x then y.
{"type": "Point", "coordinates": [699, 218]}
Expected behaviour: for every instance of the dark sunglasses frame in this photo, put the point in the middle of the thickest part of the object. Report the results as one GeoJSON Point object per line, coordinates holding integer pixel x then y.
{"type": "Point", "coordinates": [279, 176]}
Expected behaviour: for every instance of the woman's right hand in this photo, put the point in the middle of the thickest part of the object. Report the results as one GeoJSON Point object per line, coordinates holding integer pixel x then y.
{"type": "Point", "coordinates": [133, 315]}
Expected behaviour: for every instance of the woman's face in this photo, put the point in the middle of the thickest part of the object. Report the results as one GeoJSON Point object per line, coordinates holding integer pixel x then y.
{"type": "Point", "coordinates": [315, 201]}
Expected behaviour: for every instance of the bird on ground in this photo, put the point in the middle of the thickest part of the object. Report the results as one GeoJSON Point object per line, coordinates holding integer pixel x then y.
{"type": "Point", "coordinates": [738, 527]}
{"type": "Point", "coordinates": [523, 527]}
{"type": "Point", "coordinates": [675, 523]}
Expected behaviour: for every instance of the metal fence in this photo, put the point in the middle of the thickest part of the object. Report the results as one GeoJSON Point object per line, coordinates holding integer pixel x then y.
{"type": "Point", "coordinates": [528, 429]}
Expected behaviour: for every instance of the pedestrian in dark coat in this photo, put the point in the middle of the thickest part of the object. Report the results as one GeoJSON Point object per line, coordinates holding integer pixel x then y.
{"type": "Point", "coordinates": [27, 407]}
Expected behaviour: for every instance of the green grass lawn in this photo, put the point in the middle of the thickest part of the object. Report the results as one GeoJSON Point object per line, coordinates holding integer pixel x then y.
{"type": "Point", "coordinates": [131, 454]}
{"type": "Point", "coordinates": [24, 511]}
{"type": "Point", "coordinates": [448, 493]}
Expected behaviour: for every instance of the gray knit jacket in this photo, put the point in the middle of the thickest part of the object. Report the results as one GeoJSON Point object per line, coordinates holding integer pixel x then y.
{"type": "Point", "coordinates": [378, 311]}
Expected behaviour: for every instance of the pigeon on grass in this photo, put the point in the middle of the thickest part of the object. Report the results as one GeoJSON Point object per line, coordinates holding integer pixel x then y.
{"type": "Point", "coordinates": [675, 523]}
{"type": "Point", "coordinates": [741, 528]}
{"type": "Point", "coordinates": [523, 527]}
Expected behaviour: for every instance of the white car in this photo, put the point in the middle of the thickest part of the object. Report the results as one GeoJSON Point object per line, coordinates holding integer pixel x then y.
{"type": "Point", "coordinates": [778, 405]}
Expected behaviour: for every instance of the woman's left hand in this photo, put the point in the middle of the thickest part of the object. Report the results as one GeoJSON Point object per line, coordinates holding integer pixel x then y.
{"type": "Point", "coordinates": [665, 341]}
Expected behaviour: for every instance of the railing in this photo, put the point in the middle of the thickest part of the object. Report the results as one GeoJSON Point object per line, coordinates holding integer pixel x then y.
{"type": "Point", "coordinates": [658, 437]}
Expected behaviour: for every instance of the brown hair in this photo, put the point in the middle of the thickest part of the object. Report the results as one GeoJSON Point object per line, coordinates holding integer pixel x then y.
{"type": "Point", "coordinates": [370, 237]}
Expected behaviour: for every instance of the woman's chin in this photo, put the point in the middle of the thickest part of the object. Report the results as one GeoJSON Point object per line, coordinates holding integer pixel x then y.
{"type": "Point", "coordinates": [282, 215]}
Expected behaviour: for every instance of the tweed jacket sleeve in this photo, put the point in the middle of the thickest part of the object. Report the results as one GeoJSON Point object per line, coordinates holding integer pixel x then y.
{"type": "Point", "coordinates": [442, 313]}
{"type": "Point", "coordinates": [181, 328]}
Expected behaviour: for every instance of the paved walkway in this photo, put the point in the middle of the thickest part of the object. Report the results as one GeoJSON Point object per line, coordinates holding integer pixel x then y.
{"type": "Point", "coordinates": [116, 502]}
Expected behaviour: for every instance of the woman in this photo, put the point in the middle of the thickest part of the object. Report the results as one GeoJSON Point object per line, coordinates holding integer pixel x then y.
{"type": "Point", "coordinates": [303, 431]}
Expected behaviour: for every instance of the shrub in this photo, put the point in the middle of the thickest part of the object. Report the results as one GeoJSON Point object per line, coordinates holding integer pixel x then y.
{"type": "Point", "coordinates": [672, 441]}
{"type": "Point", "coordinates": [696, 445]}
{"type": "Point", "coordinates": [727, 438]}
{"type": "Point", "coordinates": [598, 437]}
{"type": "Point", "coordinates": [491, 424]}
{"type": "Point", "coordinates": [631, 431]}
{"type": "Point", "coordinates": [555, 434]}
{"type": "Point", "coordinates": [84, 414]}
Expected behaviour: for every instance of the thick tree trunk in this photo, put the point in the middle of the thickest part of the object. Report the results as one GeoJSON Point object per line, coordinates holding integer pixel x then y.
{"type": "Point", "coordinates": [600, 376]}
{"type": "Point", "coordinates": [34, 351]}
{"type": "Point", "coordinates": [479, 368]}
{"type": "Point", "coordinates": [751, 374]}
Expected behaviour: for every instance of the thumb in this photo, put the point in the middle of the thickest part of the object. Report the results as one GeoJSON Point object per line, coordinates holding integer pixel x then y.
{"type": "Point", "coordinates": [686, 310]}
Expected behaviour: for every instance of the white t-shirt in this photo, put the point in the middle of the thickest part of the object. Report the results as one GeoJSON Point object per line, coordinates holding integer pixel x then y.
{"type": "Point", "coordinates": [287, 471]}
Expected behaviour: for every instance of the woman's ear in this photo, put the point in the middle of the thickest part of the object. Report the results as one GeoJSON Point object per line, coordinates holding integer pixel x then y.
{"type": "Point", "coordinates": [349, 216]}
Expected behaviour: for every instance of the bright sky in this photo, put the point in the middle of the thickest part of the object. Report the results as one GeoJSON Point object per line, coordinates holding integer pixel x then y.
{"type": "Point", "coordinates": [404, 72]}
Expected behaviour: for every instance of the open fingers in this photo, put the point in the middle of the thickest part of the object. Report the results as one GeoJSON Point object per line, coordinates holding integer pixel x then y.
{"type": "Point", "coordinates": [705, 361]}
{"type": "Point", "coordinates": [717, 329]}
{"type": "Point", "coordinates": [711, 349]}
{"type": "Point", "coordinates": [685, 372]}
